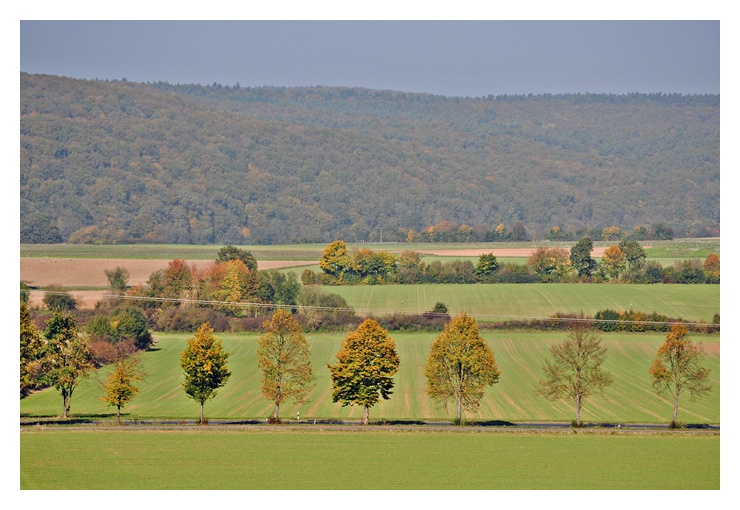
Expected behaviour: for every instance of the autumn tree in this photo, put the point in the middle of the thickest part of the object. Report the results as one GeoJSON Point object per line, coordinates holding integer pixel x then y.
{"type": "Point", "coordinates": [677, 368]}
{"type": "Point", "coordinates": [284, 356]}
{"type": "Point", "coordinates": [576, 370]}
{"type": "Point", "coordinates": [549, 262]}
{"type": "Point", "coordinates": [460, 366]}
{"type": "Point", "coordinates": [365, 367]}
{"type": "Point", "coordinates": [31, 350]}
{"type": "Point", "coordinates": [614, 261]}
{"type": "Point", "coordinates": [580, 257]}
{"type": "Point", "coordinates": [66, 358]}
{"type": "Point", "coordinates": [120, 386]}
{"type": "Point", "coordinates": [336, 260]}
{"type": "Point", "coordinates": [236, 286]}
{"type": "Point", "coordinates": [204, 363]}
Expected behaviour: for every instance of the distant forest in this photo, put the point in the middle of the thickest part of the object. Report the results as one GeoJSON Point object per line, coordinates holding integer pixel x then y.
{"type": "Point", "coordinates": [123, 162]}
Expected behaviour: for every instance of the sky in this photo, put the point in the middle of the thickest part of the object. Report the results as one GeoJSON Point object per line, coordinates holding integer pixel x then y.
{"type": "Point", "coordinates": [451, 58]}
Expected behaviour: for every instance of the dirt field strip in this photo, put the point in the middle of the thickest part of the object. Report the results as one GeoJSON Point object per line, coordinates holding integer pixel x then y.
{"type": "Point", "coordinates": [75, 272]}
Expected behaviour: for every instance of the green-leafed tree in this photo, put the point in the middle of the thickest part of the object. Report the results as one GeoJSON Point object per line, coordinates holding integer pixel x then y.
{"type": "Point", "coordinates": [31, 352]}
{"type": "Point", "coordinates": [580, 257]}
{"type": "Point", "coordinates": [486, 266]}
{"type": "Point", "coordinates": [677, 368]}
{"type": "Point", "coordinates": [576, 370]}
{"type": "Point", "coordinates": [460, 366]}
{"type": "Point", "coordinates": [120, 386]}
{"type": "Point", "coordinates": [228, 253]}
{"type": "Point", "coordinates": [365, 367]}
{"type": "Point", "coordinates": [117, 279]}
{"type": "Point", "coordinates": [129, 322]}
{"type": "Point", "coordinates": [284, 356]}
{"type": "Point", "coordinates": [634, 253]}
{"type": "Point", "coordinates": [56, 299]}
{"type": "Point", "coordinates": [204, 363]}
{"type": "Point", "coordinates": [66, 357]}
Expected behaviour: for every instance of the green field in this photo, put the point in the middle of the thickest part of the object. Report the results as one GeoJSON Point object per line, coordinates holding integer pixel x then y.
{"type": "Point", "coordinates": [675, 249]}
{"type": "Point", "coordinates": [500, 301]}
{"type": "Point", "coordinates": [630, 399]}
{"type": "Point", "coordinates": [298, 459]}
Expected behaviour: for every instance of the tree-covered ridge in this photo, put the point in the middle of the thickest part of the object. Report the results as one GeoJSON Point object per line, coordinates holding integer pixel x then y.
{"type": "Point", "coordinates": [127, 162]}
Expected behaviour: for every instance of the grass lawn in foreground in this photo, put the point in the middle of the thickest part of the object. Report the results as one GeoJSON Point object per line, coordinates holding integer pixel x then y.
{"type": "Point", "coordinates": [315, 459]}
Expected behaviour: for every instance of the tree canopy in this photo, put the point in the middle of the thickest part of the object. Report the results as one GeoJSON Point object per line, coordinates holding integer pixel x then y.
{"type": "Point", "coordinates": [365, 367]}
{"type": "Point", "coordinates": [677, 368]}
{"type": "Point", "coordinates": [284, 356]}
{"type": "Point", "coordinates": [460, 366]}
{"type": "Point", "coordinates": [204, 363]}
{"type": "Point", "coordinates": [575, 371]}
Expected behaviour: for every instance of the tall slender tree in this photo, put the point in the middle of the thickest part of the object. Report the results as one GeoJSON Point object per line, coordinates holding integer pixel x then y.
{"type": "Point", "coordinates": [460, 366]}
{"type": "Point", "coordinates": [365, 367]}
{"type": "Point", "coordinates": [120, 386]}
{"type": "Point", "coordinates": [66, 357]}
{"type": "Point", "coordinates": [284, 356]}
{"type": "Point", "coordinates": [580, 257]}
{"type": "Point", "coordinates": [576, 371]}
{"type": "Point", "coordinates": [204, 363]}
{"type": "Point", "coordinates": [677, 368]}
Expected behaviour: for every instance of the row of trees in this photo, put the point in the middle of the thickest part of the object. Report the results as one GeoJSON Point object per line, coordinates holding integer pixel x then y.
{"type": "Point", "coordinates": [451, 232]}
{"type": "Point", "coordinates": [460, 366]}
{"type": "Point", "coordinates": [624, 262]}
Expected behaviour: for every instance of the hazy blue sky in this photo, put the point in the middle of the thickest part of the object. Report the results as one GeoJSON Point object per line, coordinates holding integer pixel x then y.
{"type": "Point", "coordinates": [473, 58]}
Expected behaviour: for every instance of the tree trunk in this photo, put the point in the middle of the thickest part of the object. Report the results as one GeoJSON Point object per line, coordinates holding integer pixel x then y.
{"type": "Point", "coordinates": [65, 405]}
{"type": "Point", "coordinates": [276, 411]}
{"type": "Point", "coordinates": [459, 409]}
{"type": "Point", "coordinates": [118, 415]}
{"type": "Point", "coordinates": [674, 424]}
{"type": "Point", "coordinates": [366, 415]}
{"type": "Point", "coordinates": [202, 414]}
{"type": "Point", "coordinates": [578, 410]}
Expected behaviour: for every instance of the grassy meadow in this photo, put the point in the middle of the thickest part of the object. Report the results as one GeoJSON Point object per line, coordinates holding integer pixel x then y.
{"type": "Point", "coordinates": [312, 459]}
{"type": "Point", "coordinates": [503, 301]}
{"type": "Point", "coordinates": [630, 399]}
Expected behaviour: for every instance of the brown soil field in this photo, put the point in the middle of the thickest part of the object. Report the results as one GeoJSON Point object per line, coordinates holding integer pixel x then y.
{"type": "Point", "coordinates": [42, 272]}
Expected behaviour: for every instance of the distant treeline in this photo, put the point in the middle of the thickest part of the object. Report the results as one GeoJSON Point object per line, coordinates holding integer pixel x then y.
{"type": "Point", "coordinates": [122, 162]}
{"type": "Point", "coordinates": [624, 262]}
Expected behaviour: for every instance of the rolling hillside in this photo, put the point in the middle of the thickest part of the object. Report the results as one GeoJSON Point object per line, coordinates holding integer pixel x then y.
{"type": "Point", "coordinates": [115, 162]}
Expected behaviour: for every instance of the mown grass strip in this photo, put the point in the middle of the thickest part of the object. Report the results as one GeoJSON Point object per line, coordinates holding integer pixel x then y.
{"type": "Point", "coordinates": [365, 460]}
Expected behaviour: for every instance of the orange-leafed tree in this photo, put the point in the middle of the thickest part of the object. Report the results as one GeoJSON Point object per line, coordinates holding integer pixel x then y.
{"type": "Point", "coordinates": [677, 369]}
{"type": "Point", "coordinates": [614, 261]}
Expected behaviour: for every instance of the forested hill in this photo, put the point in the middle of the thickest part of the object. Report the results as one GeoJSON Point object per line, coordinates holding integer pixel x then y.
{"type": "Point", "coordinates": [129, 162]}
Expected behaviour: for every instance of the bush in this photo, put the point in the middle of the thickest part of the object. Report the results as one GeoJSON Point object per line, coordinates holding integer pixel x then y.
{"type": "Point", "coordinates": [57, 299]}
{"type": "Point", "coordinates": [190, 319]}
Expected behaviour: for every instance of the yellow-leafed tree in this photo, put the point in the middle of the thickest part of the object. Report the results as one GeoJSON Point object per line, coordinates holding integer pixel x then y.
{"type": "Point", "coordinates": [365, 367]}
{"type": "Point", "coordinates": [284, 356]}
